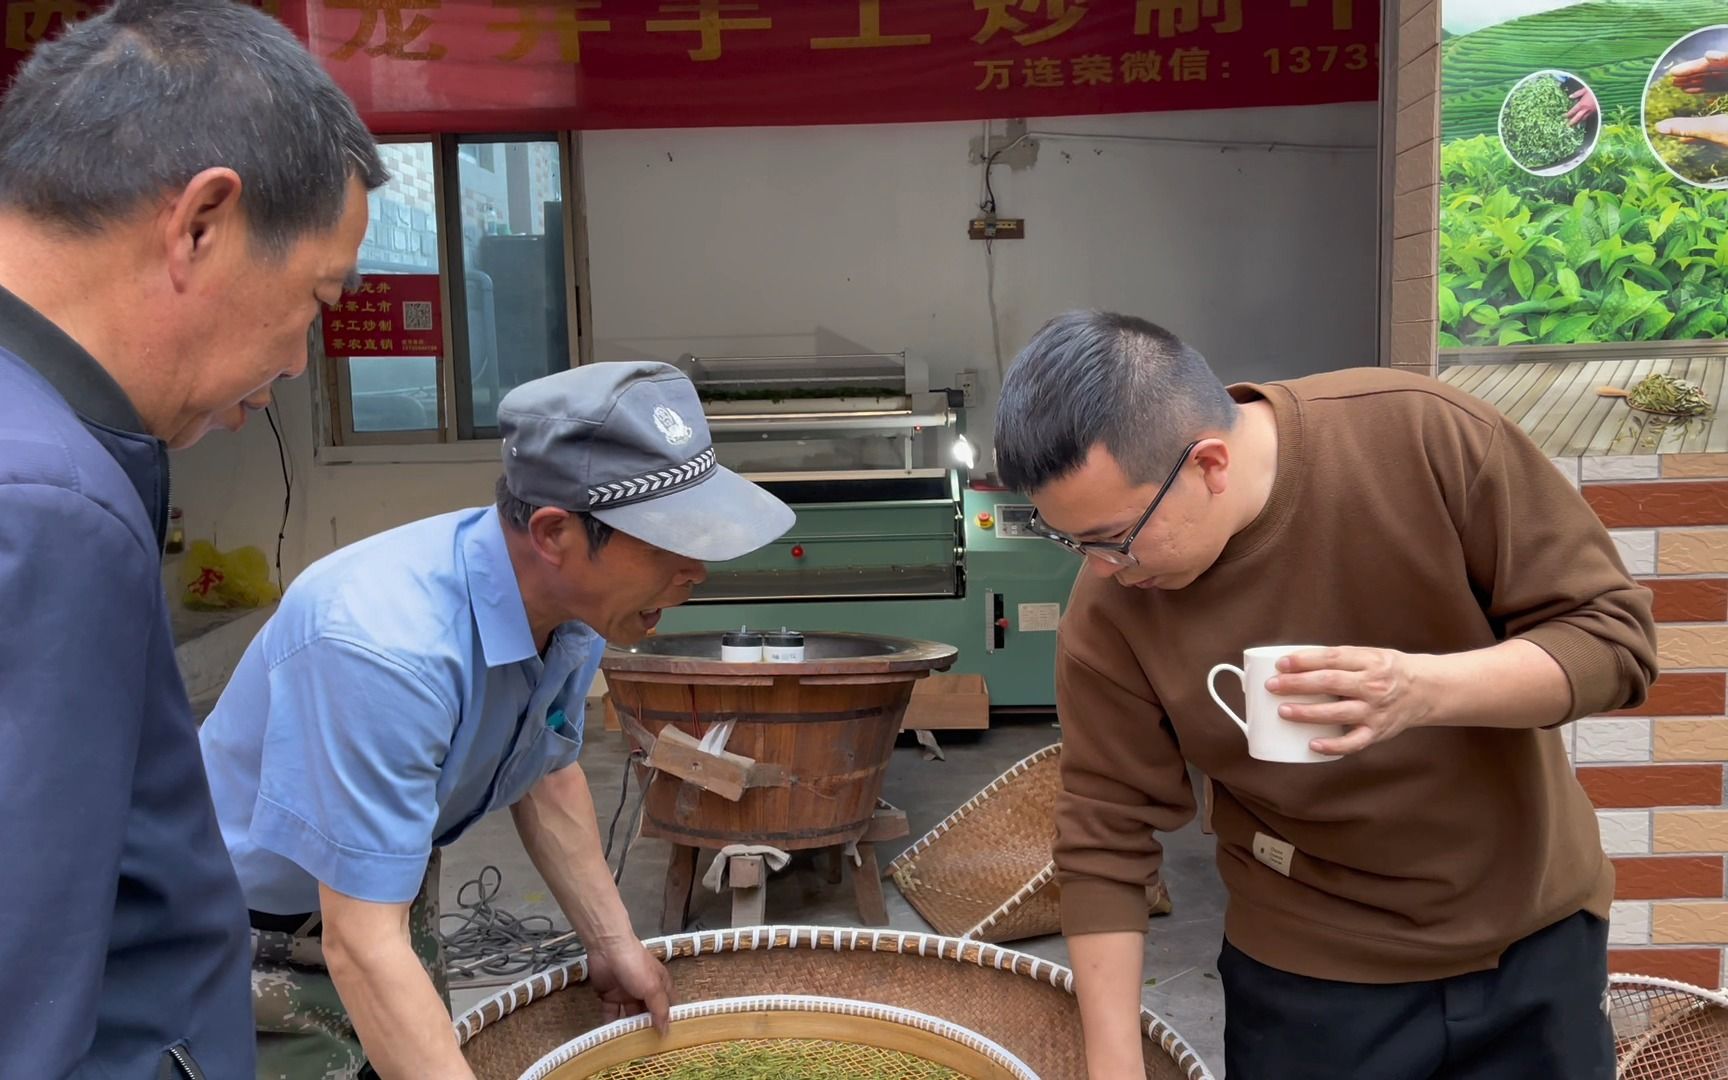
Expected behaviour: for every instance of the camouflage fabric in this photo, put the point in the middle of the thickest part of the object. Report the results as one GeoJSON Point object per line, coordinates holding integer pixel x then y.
{"type": "Point", "coordinates": [304, 1033]}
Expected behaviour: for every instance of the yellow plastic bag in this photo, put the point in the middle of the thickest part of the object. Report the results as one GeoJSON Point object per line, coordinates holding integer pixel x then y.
{"type": "Point", "coordinates": [212, 580]}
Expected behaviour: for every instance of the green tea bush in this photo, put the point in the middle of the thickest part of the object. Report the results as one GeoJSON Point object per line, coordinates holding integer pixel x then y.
{"type": "Point", "coordinates": [1534, 124]}
{"type": "Point", "coordinates": [1614, 250]}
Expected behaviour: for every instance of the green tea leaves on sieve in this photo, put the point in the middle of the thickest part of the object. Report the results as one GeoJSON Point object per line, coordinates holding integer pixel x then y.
{"type": "Point", "coordinates": [789, 1059]}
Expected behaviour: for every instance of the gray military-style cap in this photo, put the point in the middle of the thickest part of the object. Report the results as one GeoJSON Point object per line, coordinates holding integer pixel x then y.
{"type": "Point", "coordinates": [627, 442]}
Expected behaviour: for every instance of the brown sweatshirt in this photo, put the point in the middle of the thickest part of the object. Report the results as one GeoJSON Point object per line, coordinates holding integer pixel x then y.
{"type": "Point", "coordinates": [1404, 515]}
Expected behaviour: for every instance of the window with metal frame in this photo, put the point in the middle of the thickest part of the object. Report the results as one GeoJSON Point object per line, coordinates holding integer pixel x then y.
{"type": "Point", "coordinates": [486, 217]}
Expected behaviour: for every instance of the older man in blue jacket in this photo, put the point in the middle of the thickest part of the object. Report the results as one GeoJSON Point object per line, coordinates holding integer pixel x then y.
{"type": "Point", "coordinates": [422, 678]}
{"type": "Point", "coordinates": [181, 185]}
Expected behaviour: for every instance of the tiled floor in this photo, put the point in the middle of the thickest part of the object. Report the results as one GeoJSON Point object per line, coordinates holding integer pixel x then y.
{"type": "Point", "coordinates": [1181, 948]}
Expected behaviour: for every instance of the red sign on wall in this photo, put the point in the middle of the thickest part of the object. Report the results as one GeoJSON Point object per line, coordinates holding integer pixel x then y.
{"type": "Point", "coordinates": [515, 65]}
{"type": "Point", "coordinates": [390, 315]}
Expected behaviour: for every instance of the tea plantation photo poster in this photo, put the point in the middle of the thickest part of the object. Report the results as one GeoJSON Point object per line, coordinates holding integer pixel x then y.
{"type": "Point", "coordinates": [1583, 172]}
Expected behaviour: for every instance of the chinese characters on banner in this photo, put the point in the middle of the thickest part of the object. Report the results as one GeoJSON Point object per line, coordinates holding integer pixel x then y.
{"type": "Point", "coordinates": [511, 65]}
{"type": "Point", "coordinates": [390, 315]}
{"type": "Point", "coordinates": [29, 21]}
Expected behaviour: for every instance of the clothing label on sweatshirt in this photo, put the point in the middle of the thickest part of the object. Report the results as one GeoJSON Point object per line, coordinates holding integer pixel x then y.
{"type": "Point", "coordinates": [1276, 853]}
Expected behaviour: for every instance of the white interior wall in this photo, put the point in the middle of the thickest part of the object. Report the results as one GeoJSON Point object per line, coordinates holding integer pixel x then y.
{"type": "Point", "coordinates": [853, 238]}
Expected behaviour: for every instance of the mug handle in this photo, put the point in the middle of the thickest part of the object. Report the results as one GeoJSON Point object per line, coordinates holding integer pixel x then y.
{"type": "Point", "coordinates": [1212, 688]}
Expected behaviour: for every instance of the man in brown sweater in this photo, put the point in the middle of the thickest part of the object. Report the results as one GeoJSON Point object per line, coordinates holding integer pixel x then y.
{"type": "Point", "coordinates": [1433, 902]}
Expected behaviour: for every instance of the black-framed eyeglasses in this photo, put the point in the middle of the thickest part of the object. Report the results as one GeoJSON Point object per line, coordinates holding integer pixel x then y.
{"type": "Point", "coordinates": [1118, 553]}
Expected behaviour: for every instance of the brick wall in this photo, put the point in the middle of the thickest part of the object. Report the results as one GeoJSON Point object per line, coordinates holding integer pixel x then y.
{"type": "Point", "coordinates": [1415, 191]}
{"type": "Point", "coordinates": [1656, 773]}
{"type": "Point", "coordinates": [411, 171]}
{"type": "Point", "coordinates": [543, 183]}
{"type": "Point", "coordinates": [403, 231]}
{"type": "Point", "coordinates": [399, 237]}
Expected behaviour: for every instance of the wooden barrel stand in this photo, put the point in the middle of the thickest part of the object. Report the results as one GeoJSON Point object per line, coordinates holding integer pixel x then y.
{"type": "Point", "coordinates": [786, 756]}
{"type": "Point", "coordinates": [748, 877]}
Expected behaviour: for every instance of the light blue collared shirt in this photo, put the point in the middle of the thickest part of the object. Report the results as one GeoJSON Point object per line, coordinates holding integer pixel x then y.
{"type": "Point", "coordinates": [394, 698]}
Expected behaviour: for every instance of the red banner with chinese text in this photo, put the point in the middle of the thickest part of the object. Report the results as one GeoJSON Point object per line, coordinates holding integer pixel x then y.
{"type": "Point", "coordinates": [390, 315]}
{"type": "Point", "coordinates": [520, 65]}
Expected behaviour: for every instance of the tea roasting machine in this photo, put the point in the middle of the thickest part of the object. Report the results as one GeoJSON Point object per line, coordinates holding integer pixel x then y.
{"type": "Point", "coordinates": [893, 536]}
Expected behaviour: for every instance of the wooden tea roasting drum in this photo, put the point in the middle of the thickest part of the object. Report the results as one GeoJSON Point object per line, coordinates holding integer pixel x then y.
{"type": "Point", "coordinates": [782, 756]}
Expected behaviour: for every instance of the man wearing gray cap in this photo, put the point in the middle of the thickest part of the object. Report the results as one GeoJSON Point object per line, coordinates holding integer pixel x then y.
{"type": "Point", "coordinates": [417, 680]}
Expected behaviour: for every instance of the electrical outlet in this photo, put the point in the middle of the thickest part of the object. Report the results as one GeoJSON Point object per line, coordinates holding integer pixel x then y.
{"type": "Point", "coordinates": [997, 228]}
{"type": "Point", "coordinates": [967, 383]}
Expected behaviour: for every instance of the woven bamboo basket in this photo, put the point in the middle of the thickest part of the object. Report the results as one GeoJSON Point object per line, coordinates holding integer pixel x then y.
{"type": "Point", "coordinates": [1022, 1003]}
{"type": "Point", "coordinates": [818, 1036]}
{"type": "Point", "coordinates": [986, 872]}
{"type": "Point", "coordinates": [1667, 1030]}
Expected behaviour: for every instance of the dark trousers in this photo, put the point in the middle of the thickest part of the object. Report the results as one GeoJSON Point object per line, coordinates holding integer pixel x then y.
{"type": "Point", "coordinates": [1538, 1016]}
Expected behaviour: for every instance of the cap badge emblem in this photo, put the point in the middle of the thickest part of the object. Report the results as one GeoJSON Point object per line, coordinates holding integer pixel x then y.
{"type": "Point", "coordinates": [672, 426]}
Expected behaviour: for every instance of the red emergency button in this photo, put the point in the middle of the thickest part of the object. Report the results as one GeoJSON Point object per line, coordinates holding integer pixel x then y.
{"type": "Point", "coordinates": [986, 520]}
{"type": "Point", "coordinates": [797, 551]}
{"type": "Point", "coordinates": [1002, 624]}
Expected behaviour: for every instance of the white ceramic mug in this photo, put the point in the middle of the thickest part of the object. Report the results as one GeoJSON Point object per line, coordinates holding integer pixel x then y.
{"type": "Point", "coordinates": [1270, 736]}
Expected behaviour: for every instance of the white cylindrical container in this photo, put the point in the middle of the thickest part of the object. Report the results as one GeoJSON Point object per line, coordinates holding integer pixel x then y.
{"type": "Point", "coordinates": [741, 646]}
{"type": "Point", "coordinates": [783, 646]}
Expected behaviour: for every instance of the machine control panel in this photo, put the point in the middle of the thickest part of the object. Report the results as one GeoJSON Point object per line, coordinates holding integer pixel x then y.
{"type": "Point", "coordinates": [1013, 521]}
